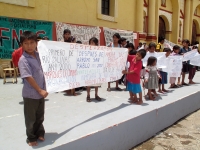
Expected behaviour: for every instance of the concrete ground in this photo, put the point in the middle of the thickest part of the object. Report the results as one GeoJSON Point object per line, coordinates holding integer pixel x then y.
{"type": "Point", "coordinates": [183, 135]}
{"type": "Point", "coordinates": [68, 118]}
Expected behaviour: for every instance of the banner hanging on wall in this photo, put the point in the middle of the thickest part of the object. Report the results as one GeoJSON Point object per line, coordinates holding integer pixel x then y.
{"type": "Point", "coordinates": [81, 33]}
{"type": "Point", "coordinates": [108, 34]}
{"type": "Point", "coordinates": [12, 28]}
{"type": "Point", "coordinates": [70, 65]}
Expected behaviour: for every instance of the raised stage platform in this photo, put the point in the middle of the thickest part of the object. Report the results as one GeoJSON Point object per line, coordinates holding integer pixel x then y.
{"type": "Point", "coordinates": [71, 123]}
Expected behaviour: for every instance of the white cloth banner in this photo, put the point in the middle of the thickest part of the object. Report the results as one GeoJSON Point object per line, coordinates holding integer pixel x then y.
{"type": "Point", "coordinates": [174, 66]}
{"type": "Point", "coordinates": [190, 55]}
{"type": "Point", "coordinates": [70, 65]}
{"type": "Point", "coordinates": [142, 47]}
{"type": "Point", "coordinates": [108, 34]}
{"type": "Point", "coordinates": [171, 64]}
{"type": "Point", "coordinates": [161, 59]}
{"type": "Point", "coordinates": [168, 44]}
{"type": "Point", "coordinates": [195, 60]}
{"type": "Point", "coordinates": [81, 33]}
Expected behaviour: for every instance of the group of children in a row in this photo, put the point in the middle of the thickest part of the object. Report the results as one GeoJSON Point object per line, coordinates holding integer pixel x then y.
{"type": "Point", "coordinates": [155, 77]}
{"type": "Point", "coordinates": [34, 90]}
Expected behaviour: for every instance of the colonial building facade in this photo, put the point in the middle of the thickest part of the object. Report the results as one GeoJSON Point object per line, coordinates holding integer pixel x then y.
{"type": "Point", "coordinates": [172, 19]}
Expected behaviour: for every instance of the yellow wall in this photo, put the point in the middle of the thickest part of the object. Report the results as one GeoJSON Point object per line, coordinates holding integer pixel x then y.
{"type": "Point", "coordinates": [168, 5]}
{"type": "Point", "coordinates": [72, 11]}
{"type": "Point", "coordinates": [86, 12]}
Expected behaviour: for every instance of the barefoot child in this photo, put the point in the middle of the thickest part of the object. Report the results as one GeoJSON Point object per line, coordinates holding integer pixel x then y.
{"type": "Point", "coordinates": [163, 74]}
{"type": "Point", "coordinates": [94, 42]}
{"type": "Point", "coordinates": [133, 76]}
{"type": "Point", "coordinates": [151, 77]}
{"type": "Point", "coordinates": [192, 70]}
{"type": "Point", "coordinates": [176, 50]}
{"type": "Point", "coordinates": [116, 43]}
{"type": "Point", "coordinates": [185, 69]}
{"type": "Point", "coordinates": [69, 39]}
{"type": "Point", "coordinates": [33, 92]}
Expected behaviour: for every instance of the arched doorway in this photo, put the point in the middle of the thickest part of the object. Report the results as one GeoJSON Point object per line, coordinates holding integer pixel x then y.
{"type": "Point", "coordinates": [162, 28]}
{"type": "Point", "coordinates": [194, 33]}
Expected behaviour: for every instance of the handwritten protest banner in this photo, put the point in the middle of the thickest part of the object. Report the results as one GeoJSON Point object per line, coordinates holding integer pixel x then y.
{"type": "Point", "coordinates": [81, 33]}
{"type": "Point", "coordinates": [108, 33]}
{"type": "Point", "coordinates": [189, 55]}
{"type": "Point", "coordinates": [161, 59]}
{"type": "Point", "coordinates": [171, 64]}
{"type": "Point", "coordinates": [70, 65]}
{"type": "Point", "coordinates": [174, 66]}
{"type": "Point", "coordinates": [12, 28]}
{"type": "Point", "coordinates": [195, 60]}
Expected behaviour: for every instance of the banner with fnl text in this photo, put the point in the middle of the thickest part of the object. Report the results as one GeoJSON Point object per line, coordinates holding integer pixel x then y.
{"type": "Point", "coordinates": [12, 28]}
{"type": "Point", "coordinates": [69, 65]}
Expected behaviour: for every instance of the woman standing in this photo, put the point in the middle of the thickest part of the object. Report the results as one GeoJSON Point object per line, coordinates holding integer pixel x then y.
{"type": "Point", "coordinates": [116, 43]}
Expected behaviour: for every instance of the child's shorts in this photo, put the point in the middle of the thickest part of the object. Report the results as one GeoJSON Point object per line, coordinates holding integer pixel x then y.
{"type": "Point", "coordinates": [164, 77]}
{"type": "Point", "coordinates": [185, 68]}
{"type": "Point", "coordinates": [134, 88]}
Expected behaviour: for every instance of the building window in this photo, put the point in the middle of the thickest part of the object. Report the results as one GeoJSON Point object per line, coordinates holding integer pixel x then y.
{"type": "Point", "coordinates": [163, 3]}
{"type": "Point", "coordinates": [105, 7]}
{"type": "Point", "coordinates": [27, 3]}
{"type": "Point", "coordinates": [107, 10]}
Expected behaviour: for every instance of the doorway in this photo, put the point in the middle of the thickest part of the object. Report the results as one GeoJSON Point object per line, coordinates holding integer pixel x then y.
{"type": "Point", "coordinates": [194, 33]}
{"type": "Point", "coordinates": [162, 28]}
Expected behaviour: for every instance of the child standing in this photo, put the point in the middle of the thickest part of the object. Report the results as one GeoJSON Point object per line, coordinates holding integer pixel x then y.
{"type": "Point", "coordinates": [33, 92]}
{"type": "Point", "coordinates": [185, 69]}
{"type": "Point", "coordinates": [94, 42]}
{"type": "Point", "coordinates": [116, 43]}
{"type": "Point", "coordinates": [151, 77]}
{"type": "Point", "coordinates": [192, 70]}
{"type": "Point", "coordinates": [176, 51]}
{"type": "Point", "coordinates": [131, 51]}
{"type": "Point", "coordinates": [163, 74]}
{"type": "Point", "coordinates": [133, 76]}
{"type": "Point", "coordinates": [69, 39]}
{"type": "Point", "coordinates": [152, 47]}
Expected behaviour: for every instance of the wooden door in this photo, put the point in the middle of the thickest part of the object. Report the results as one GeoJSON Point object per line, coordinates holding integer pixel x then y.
{"type": "Point", "coordinates": [194, 33]}
{"type": "Point", "coordinates": [162, 28]}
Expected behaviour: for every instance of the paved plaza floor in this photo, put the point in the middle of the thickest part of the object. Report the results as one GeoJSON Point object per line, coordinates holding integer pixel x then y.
{"type": "Point", "coordinates": [183, 135]}
{"type": "Point", "coordinates": [68, 118]}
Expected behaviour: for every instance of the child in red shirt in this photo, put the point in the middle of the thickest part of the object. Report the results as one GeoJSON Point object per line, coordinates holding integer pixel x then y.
{"type": "Point", "coordinates": [133, 75]}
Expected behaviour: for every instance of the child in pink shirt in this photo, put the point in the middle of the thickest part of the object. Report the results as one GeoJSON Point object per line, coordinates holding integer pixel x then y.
{"type": "Point", "coordinates": [133, 75]}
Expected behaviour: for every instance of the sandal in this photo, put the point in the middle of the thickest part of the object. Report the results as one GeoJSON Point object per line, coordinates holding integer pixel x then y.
{"type": "Point", "coordinates": [98, 98]}
{"type": "Point", "coordinates": [179, 85]}
{"type": "Point", "coordinates": [175, 86]}
{"type": "Point", "coordinates": [88, 99]}
{"type": "Point", "coordinates": [118, 89]}
{"type": "Point", "coordinates": [185, 84]}
{"type": "Point", "coordinates": [75, 94]}
{"type": "Point", "coordinates": [108, 89]}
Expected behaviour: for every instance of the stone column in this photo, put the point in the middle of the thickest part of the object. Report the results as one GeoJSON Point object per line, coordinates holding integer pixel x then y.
{"type": "Point", "coordinates": [139, 16]}
{"type": "Point", "coordinates": [186, 33]}
{"type": "Point", "coordinates": [151, 36]}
